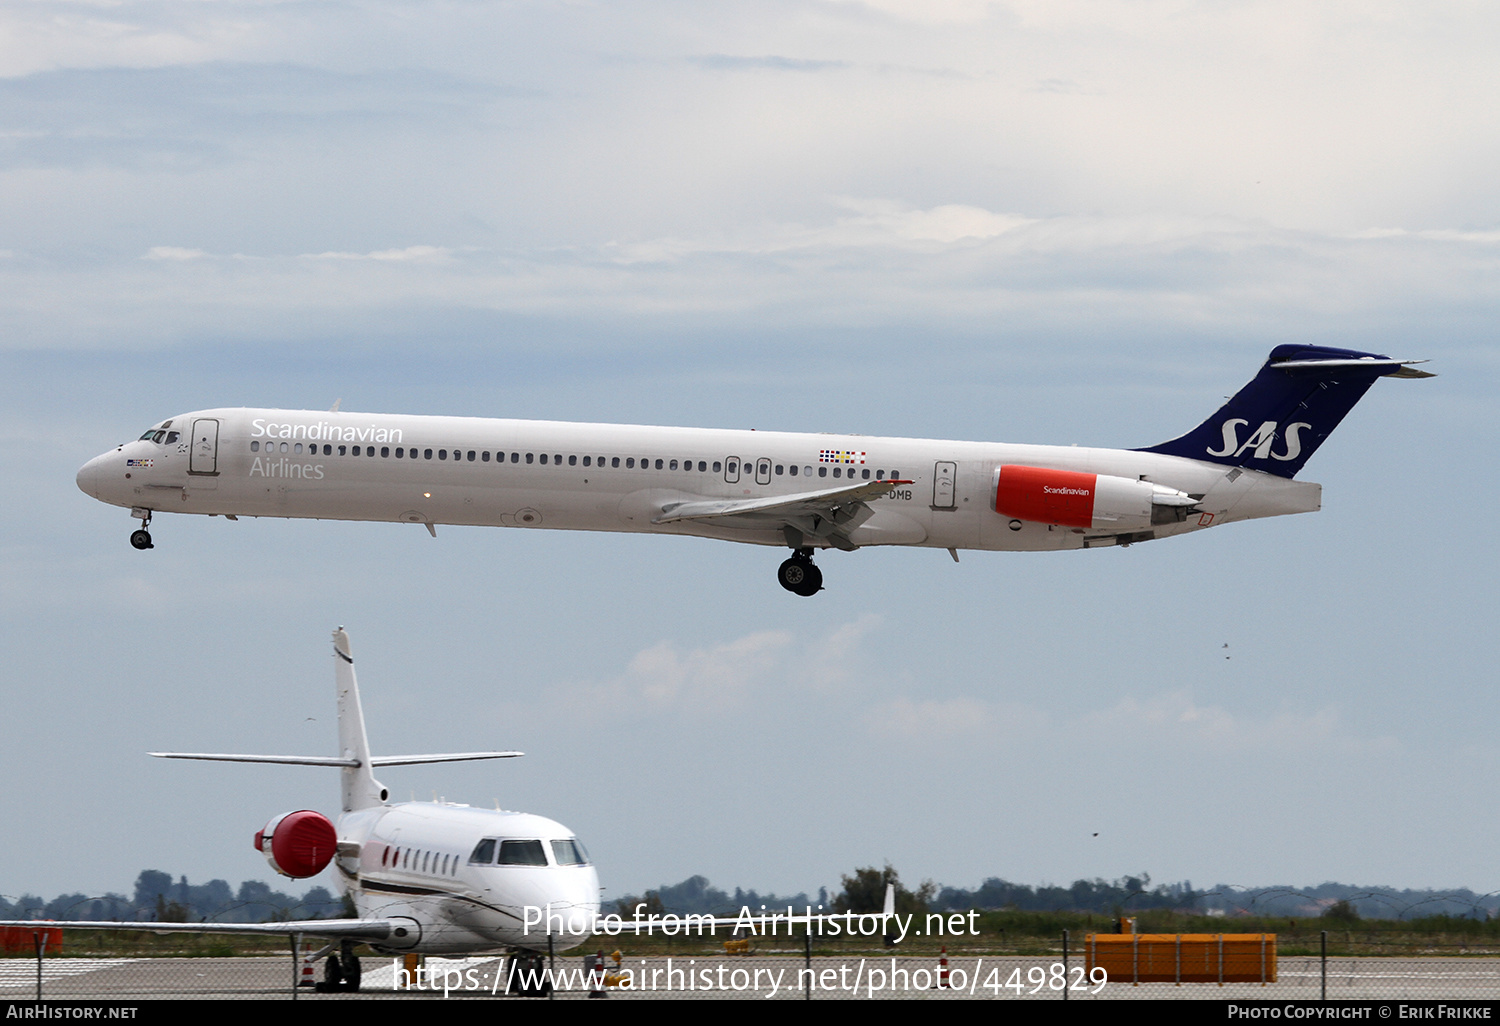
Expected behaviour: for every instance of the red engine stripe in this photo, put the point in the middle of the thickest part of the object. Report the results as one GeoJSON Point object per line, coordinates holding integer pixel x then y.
{"type": "Point", "coordinates": [1045, 496]}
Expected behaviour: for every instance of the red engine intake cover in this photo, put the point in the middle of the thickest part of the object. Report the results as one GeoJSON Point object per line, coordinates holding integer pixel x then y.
{"type": "Point", "coordinates": [1045, 496]}
{"type": "Point", "coordinates": [298, 844]}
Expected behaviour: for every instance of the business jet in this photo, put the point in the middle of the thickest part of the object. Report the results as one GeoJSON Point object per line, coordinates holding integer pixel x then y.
{"type": "Point", "coordinates": [802, 491]}
{"type": "Point", "coordinates": [425, 877]}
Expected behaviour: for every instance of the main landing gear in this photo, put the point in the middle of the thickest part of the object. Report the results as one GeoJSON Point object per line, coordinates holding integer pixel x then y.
{"type": "Point", "coordinates": [800, 575]}
{"type": "Point", "coordinates": [341, 973]}
{"type": "Point", "coordinates": [142, 539]}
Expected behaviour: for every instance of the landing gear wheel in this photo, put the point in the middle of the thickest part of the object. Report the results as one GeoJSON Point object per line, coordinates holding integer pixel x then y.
{"type": "Point", "coordinates": [333, 974]}
{"type": "Point", "coordinates": [141, 539]}
{"type": "Point", "coordinates": [526, 975]}
{"type": "Point", "coordinates": [353, 973]}
{"type": "Point", "coordinates": [800, 576]}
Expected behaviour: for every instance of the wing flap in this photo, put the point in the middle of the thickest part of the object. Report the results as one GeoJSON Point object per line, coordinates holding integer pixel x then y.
{"type": "Point", "coordinates": [777, 507]}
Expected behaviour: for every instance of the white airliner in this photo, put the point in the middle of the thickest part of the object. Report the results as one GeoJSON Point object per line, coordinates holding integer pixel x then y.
{"type": "Point", "coordinates": [425, 877]}
{"type": "Point", "coordinates": [802, 491]}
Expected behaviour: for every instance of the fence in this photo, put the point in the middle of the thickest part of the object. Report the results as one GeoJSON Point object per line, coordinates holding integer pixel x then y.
{"type": "Point", "coordinates": [796, 971]}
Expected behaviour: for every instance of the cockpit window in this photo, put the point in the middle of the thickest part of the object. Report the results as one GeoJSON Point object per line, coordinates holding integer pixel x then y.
{"type": "Point", "coordinates": [484, 852]}
{"type": "Point", "coordinates": [569, 853]}
{"type": "Point", "coordinates": [522, 853]}
{"type": "Point", "coordinates": [160, 435]}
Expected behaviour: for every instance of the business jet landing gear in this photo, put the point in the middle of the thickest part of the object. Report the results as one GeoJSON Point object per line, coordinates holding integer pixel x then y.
{"type": "Point", "coordinates": [526, 974]}
{"type": "Point", "coordinates": [800, 575]}
{"type": "Point", "coordinates": [142, 539]}
{"type": "Point", "coordinates": [341, 973]}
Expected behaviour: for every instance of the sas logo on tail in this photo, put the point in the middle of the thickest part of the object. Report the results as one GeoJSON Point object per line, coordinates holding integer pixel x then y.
{"type": "Point", "coordinates": [1260, 440]}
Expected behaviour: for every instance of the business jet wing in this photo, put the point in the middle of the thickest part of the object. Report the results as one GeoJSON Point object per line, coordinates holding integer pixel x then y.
{"type": "Point", "coordinates": [828, 513]}
{"type": "Point", "coordinates": [352, 929]}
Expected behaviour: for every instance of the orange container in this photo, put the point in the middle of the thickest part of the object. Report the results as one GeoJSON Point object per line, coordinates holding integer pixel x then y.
{"type": "Point", "coordinates": [1183, 957]}
{"type": "Point", "coordinates": [19, 940]}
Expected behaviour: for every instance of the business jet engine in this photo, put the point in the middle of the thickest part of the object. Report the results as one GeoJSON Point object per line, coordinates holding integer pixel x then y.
{"type": "Point", "coordinates": [298, 844]}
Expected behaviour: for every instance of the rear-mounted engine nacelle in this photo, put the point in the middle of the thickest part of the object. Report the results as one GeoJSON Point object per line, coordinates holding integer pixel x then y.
{"type": "Point", "coordinates": [1073, 499]}
{"type": "Point", "coordinates": [298, 844]}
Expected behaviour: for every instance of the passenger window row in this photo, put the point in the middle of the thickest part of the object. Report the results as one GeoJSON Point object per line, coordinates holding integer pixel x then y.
{"type": "Point", "coordinates": [557, 460]}
{"type": "Point", "coordinates": [430, 862]}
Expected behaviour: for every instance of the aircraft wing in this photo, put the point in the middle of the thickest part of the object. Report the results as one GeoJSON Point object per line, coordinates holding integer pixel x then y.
{"type": "Point", "coordinates": [353, 929]}
{"type": "Point", "coordinates": [827, 513]}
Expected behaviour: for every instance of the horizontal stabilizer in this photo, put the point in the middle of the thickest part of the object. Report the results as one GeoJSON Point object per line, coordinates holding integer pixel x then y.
{"type": "Point", "coordinates": [314, 760]}
{"type": "Point", "coordinates": [1401, 368]}
{"type": "Point", "coordinates": [413, 760]}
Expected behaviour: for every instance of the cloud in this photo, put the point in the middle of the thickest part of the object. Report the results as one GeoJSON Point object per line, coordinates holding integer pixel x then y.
{"type": "Point", "coordinates": [749, 671]}
{"type": "Point", "coordinates": [409, 253]}
{"type": "Point", "coordinates": [729, 62]}
{"type": "Point", "coordinates": [1440, 234]}
{"type": "Point", "coordinates": [869, 224]}
{"type": "Point", "coordinates": [929, 719]}
{"type": "Point", "coordinates": [47, 35]}
{"type": "Point", "coordinates": [173, 253]}
{"type": "Point", "coordinates": [702, 679]}
{"type": "Point", "coordinates": [1176, 719]}
{"type": "Point", "coordinates": [931, 12]}
{"type": "Point", "coordinates": [869, 262]}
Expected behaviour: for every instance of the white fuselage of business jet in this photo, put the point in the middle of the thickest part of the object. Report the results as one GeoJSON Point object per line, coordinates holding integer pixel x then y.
{"type": "Point", "coordinates": [802, 491]}
{"type": "Point", "coordinates": [464, 879]}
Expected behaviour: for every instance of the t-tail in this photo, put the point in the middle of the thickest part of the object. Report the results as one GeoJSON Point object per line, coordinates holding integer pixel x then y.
{"type": "Point", "coordinates": [1277, 421]}
{"type": "Point", "coordinates": [360, 788]}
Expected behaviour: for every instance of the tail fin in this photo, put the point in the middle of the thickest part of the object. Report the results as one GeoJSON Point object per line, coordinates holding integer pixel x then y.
{"type": "Point", "coordinates": [1277, 421]}
{"type": "Point", "coordinates": [360, 788]}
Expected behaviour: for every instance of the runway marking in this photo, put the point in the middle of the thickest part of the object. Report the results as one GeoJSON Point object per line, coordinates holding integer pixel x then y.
{"type": "Point", "coordinates": [1345, 975]}
{"type": "Point", "coordinates": [21, 972]}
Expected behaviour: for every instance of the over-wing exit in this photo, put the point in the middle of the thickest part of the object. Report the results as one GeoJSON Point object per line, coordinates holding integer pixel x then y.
{"type": "Point", "coordinates": [801, 491]}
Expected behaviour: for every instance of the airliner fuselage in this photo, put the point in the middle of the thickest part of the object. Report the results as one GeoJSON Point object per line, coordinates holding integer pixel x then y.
{"type": "Point", "coordinates": [803, 491]}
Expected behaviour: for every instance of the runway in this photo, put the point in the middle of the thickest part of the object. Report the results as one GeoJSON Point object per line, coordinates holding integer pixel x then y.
{"type": "Point", "coordinates": [780, 977]}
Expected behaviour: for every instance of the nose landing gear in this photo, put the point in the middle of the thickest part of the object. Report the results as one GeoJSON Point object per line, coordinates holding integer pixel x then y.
{"type": "Point", "coordinates": [800, 575]}
{"type": "Point", "coordinates": [142, 539]}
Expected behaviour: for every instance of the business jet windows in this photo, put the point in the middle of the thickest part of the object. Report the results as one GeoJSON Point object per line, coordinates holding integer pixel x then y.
{"type": "Point", "coordinates": [522, 853]}
{"type": "Point", "coordinates": [494, 851]}
{"type": "Point", "coordinates": [569, 852]}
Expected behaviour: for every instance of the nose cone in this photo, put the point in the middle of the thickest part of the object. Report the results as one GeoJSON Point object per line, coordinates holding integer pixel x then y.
{"type": "Point", "coordinates": [564, 905]}
{"type": "Point", "coordinates": [90, 476]}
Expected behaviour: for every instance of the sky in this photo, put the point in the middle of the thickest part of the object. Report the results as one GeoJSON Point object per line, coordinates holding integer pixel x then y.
{"type": "Point", "coordinates": [1060, 222]}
